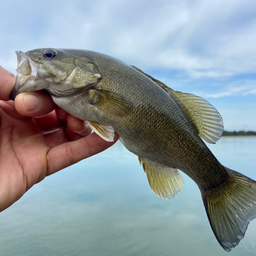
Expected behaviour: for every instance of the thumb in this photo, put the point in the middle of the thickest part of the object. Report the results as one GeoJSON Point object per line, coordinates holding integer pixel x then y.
{"type": "Point", "coordinates": [34, 104]}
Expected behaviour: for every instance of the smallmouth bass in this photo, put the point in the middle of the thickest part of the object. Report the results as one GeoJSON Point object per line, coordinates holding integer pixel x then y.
{"type": "Point", "coordinates": [163, 127]}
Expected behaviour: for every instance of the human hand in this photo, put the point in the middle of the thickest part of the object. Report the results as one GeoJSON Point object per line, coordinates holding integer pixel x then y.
{"type": "Point", "coordinates": [27, 152]}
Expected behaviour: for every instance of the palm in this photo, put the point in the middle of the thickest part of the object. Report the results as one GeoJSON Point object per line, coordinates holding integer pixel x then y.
{"type": "Point", "coordinates": [27, 155]}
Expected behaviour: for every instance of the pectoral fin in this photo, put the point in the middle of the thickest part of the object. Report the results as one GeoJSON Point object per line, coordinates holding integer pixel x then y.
{"type": "Point", "coordinates": [107, 133]}
{"type": "Point", "coordinates": [165, 182]}
{"type": "Point", "coordinates": [110, 102]}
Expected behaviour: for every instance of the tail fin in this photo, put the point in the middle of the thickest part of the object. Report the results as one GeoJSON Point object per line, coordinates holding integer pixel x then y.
{"type": "Point", "coordinates": [231, 208]}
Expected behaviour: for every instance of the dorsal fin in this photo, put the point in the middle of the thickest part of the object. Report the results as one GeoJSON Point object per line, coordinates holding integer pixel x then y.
{"type": "Point", "coordinates": [164, 181]}
{"type": "Point", "coordinates": [206, 118]}
{"type": "Point", "coordinates": [164, 86]}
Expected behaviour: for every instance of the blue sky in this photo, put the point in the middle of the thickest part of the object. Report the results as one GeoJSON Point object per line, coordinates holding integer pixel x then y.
{"type": "Point", "coordinates": [203, 47]}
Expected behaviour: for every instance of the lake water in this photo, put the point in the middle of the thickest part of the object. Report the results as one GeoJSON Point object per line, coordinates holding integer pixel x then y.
{"type": "Point", "coordinates": [104, 206]}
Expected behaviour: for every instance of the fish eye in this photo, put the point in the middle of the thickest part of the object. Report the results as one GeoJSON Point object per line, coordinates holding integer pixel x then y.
{"type": "Point", "coordinates": [50, 54]}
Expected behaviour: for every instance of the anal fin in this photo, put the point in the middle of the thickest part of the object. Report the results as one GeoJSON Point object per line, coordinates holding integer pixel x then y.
{"type": "Point", "coordinates": [164, 181]}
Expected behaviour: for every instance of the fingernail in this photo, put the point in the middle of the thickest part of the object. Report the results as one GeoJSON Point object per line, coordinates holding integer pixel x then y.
{"type": "Point", "coordinates": [31, 102]}
{"type": "Point", "coordinates": [85, 131]}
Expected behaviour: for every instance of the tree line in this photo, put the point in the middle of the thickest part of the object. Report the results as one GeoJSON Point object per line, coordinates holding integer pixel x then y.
{"type": "Point", "coordinates": [238, 133]}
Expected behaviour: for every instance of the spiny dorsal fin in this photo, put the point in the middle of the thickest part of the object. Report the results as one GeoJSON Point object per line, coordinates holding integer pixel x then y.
{"type": "Point", "coordinates": [165, 182]}
{"type": "Point", "coordinates": [112, 102]}
{"type": "Point", "coordinates": [165, 87]}
{"type": "Point", "coordinates": [206, 118]}
{"type": "Point", "coordinates": [107, 133]}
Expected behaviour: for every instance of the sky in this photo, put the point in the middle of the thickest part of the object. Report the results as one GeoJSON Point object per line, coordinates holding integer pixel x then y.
{"type": "Point", "coordinates": [203, 47]}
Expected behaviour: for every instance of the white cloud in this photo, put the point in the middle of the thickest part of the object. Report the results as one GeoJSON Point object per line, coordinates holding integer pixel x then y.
{"type": "Point", "coordinates": [203, 38]}
{"type": "Point", "coordinates": [241, 88]}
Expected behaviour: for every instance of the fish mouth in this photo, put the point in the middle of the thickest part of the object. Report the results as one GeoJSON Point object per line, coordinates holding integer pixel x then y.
{"type": "Point", "coordinates": [26, 72]}
{"type": "Point", "coordinates": [26, 67]}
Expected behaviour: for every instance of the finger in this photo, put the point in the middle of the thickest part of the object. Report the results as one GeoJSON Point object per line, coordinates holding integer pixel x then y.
{"type": "Point", "coordinates": [62, 115]}
{"type": "Point", "coordinates": [56, 138]}
{"type": "Point", "coordinates": [48, 122]}
{"type": "Point", "coordinates": [60, 136]}
{"type": "Point", "coordinates": [75, 124]}
{"type": "Point", "coordinates": [85, 131]}
{"type": "Point", "coordinates": [78, 126]}
{"type": "Point", "coordinates": [70, 153]}
{"type": "Point", "coordinates": [7, 81]}
{"type": "Point", "coordinates": [34, 104]}
{"type": "Point", "coordinates": [71, 135]}
{"type": "Point", "coordinates": [51, 122]}
{"type": "Point", "coordinates": [8, 108]}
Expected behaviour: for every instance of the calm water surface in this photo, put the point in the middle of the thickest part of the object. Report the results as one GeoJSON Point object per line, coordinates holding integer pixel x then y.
{"type": "Point", "coordinates": [104, 206]}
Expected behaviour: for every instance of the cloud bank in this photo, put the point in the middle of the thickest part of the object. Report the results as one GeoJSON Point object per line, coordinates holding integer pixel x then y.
{"type": "Point", "coordinates": [202, 38]}
{"type": "Point", "coordinates": [200, 46]}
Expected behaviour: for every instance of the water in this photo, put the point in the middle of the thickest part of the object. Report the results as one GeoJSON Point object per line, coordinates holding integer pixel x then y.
{"type": "Point", "coordinates": [104, 206]}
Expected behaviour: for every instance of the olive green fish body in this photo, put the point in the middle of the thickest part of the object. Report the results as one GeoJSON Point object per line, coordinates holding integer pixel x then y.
{"type": "Point", "coordinates": [163, 127]}
{"type": "Point", "coordinates": [150, 130]}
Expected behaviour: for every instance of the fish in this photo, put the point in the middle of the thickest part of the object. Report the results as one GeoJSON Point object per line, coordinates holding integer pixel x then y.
{"type": "Point", "coordinates": [166, 129]}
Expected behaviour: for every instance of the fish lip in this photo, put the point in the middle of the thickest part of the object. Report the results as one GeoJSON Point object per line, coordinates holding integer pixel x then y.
{"type": "Point", "coordinates": [24, 59]}
{"type": "Point", "coordinates": [26, 69]}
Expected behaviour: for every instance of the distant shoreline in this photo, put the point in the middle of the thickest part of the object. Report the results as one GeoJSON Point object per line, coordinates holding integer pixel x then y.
{"type": "Point", "coordinates": [238, 137]}
{"type": "Point", "coordinates": [239, 133]}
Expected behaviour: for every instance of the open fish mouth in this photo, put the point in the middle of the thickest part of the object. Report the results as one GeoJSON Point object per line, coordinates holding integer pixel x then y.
{"type": "Point", "coordinates": [26, 67]}
{"type": "Point", "coordinates": [26, 70]}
